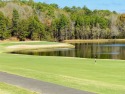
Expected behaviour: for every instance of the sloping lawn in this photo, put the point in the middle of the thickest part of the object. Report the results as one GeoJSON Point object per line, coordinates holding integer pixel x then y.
{"type": "Point", "coordinates": [104, 77]}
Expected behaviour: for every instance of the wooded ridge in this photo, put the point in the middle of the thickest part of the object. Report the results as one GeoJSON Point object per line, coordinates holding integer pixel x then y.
{"type": "Point", "coordinates": [26, 19]}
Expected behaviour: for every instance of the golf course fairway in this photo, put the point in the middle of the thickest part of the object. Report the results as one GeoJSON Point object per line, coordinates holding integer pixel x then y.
{"type": "Point", "coordinates": [102, 77]}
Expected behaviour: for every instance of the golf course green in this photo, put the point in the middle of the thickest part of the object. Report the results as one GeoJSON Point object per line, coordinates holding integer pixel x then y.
{"type": "Point", "coordinates": [102, 77]}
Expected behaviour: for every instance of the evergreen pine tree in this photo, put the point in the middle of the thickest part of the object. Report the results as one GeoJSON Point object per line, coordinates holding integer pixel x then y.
{"type": "Point", "coordinates": [3, 28]}
{"type": "Point", "coordinates": [15, 21]}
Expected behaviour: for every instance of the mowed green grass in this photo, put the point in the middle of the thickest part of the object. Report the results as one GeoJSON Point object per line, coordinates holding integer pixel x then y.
{"type": "Point", "coordinates": [9, 89]}
{"type": "Point", "coordinates": [27, 43]}
{"type": "Point", "coordinates": [104, 77]}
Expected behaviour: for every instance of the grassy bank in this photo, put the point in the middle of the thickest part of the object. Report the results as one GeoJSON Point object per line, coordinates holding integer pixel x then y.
{"type": "Point", "coordinates": [104, 77]}
{"type": "Point", "coordinates": [37, 46]}
{"type": "Point", "coordinates": [9, 89]}
{"type": "Point", "coordinates": [95, 41]}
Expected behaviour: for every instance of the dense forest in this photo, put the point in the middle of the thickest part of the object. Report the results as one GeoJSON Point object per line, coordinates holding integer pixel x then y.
{"type": "Point", "coordinates": [26, 19]}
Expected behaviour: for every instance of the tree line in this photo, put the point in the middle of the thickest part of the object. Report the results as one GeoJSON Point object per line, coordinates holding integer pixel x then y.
{"type": "Point", "coordinates": [49, 22]}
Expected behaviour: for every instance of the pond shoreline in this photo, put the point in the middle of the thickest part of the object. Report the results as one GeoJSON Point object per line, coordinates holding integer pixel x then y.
{"type": "Point", "coordinates": [74, 72]}
{"type": "Point", "coordinates": [37, 47]}
{"type": "Point", "coordinates": [94, 41]}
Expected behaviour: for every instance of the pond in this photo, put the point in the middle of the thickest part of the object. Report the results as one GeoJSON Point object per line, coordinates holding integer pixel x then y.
{"type": "Point", "coordinates": [87, 50]}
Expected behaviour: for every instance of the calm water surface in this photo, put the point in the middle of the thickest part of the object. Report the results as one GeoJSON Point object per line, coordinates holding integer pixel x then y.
{"type": "Point", "coordinates": [88, 50]}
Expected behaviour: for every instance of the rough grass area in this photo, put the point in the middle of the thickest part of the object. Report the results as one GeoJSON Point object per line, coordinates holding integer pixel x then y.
{"type": "Point", "coordinates": [95, 41]}
{"type": "Point", "coordinates": [104, 77]}
{"type": "Point", "coordinates": [9, 89]}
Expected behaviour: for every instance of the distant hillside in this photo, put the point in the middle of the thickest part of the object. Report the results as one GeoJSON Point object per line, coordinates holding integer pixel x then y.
{"type": "Point", "coordinates": [41, 21]}
{"type": "Point", "coordinates": [24, 11]}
